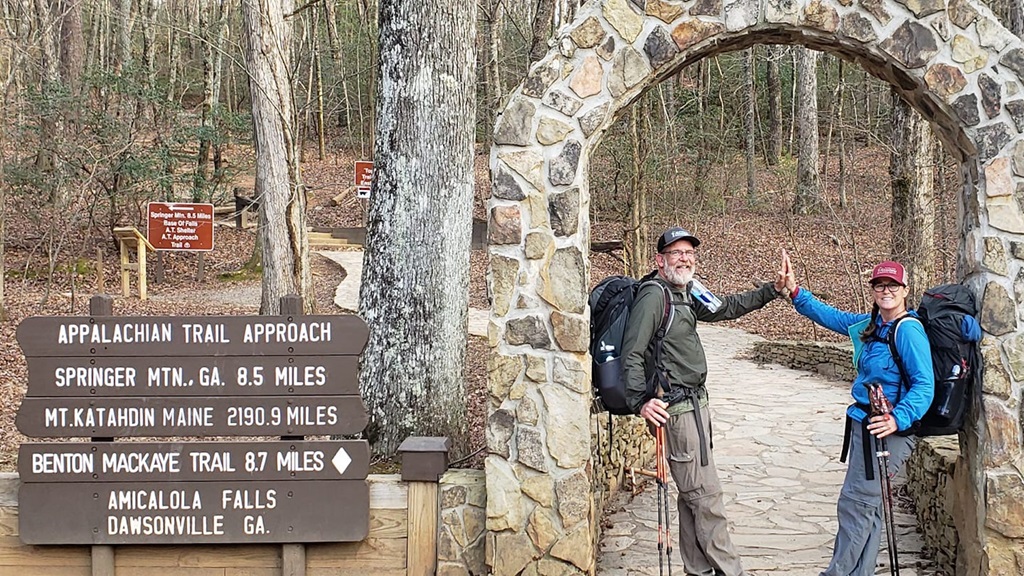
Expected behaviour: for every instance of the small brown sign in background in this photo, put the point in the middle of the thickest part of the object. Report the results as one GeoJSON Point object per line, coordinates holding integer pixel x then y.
{"type": "Point", "coordinates": [180, 226]}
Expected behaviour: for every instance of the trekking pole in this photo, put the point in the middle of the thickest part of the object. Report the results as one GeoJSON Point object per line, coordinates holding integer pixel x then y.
{"type": "Point", "coordinates": [658, 449]}
{"type": "Point", "coordinates": [880, 405]}
{"type": "Point", "coordinates": [663, 508]}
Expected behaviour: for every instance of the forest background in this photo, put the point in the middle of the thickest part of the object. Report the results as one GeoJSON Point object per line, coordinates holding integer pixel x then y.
{"type": "Point", "coordinates": [110, 104]}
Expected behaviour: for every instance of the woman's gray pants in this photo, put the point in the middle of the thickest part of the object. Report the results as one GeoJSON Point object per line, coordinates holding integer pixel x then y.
{"type": "Point", "coordinates": [860, 505]}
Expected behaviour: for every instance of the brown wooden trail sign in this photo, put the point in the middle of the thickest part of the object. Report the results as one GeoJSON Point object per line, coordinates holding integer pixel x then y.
{"type": "Point", "coordinates": [193, 461]}
{"type": "Point", "coordinates": [191, 416]}
{"type": "Point", "coordinates": [110, 377]}
{"type": "Point", "coordinates": [195, 513]}
{"type": "Point", "coordinates": [192, 376]}
{"type": "Point", "coordinates": [156, 336]}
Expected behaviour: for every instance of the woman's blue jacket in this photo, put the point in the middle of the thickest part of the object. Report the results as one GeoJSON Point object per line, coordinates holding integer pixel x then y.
{"type": "Point", "coordinates": [874, 361]}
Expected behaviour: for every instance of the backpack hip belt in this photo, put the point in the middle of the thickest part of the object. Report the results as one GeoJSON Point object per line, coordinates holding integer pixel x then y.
{"type": "Point", "coordinates": [693, 395]}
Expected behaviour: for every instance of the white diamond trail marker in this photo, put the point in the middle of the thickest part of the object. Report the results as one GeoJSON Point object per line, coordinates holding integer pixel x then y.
{"type": "Point", "coordinates": [341, 460]}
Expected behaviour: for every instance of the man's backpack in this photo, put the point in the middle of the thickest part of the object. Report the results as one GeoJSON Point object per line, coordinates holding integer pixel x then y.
{"type": "Point", "coordinates": [948, 315]}
{"type": "Point", "coordinates": [610, 304]}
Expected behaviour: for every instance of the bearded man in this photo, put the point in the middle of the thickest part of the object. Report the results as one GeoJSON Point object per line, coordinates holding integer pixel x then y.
{"type": "Point", "coordinates": [666, 386]}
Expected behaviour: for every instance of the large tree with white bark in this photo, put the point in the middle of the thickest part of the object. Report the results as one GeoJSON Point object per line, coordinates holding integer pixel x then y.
{"type": "Point", "coordinates": [415, 291]}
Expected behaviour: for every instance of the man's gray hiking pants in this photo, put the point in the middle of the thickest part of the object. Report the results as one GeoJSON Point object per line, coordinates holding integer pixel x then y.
{"type": "Point", "coordinates": [704, 541]}
{"type": "Point", "coordinates": [860, 505]}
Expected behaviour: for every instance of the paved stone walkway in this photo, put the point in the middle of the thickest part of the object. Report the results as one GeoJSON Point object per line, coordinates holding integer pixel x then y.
{"type": "Point", "coordinates": [777, 435]}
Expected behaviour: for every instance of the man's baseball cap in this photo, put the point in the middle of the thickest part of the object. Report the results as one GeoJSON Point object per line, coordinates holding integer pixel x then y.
{"type": "Point", "coordinates": [675, 234]}
{"type": "Point", "coordinates": [889, 269]}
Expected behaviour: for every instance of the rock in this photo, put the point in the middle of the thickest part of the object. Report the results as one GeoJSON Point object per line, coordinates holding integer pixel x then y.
{"type": "Point", "coordinates": [1005, 503]}
{"type": "Point", "coordinates": [990, 95]}
{"type": "Point", "coordinates": [821, 15]}
{"type": "Point", "coordinates": [540, 79]}
{"type": "Point", "coordinates": [572, 332]}
{"type": "Point", "coordinates": [690, 32]}
{"type": "Point", "coordinates": [551, 131]}
{"type": "Point", "coordinates": [568, 426]}
{"type": "Point", "coordinates": [505, 225]}
{"type": "Point", "coordinates": [514, 123]}
{"type": "Point", "coordinates": [991, 139]}
{"type": "Point", "coordinates": [576, 547]}
{"type": "Point", "coordinates": [571, 373]}
{"type": "Point", "coordinates": [995, 380]}
{"type": "Point", "coordinates": [857, 27]}
{"type": "Point", "coordinates": [500, 425]}
{"type": "Point", "coordinates": [543, 528]}
{"type": "Point", "coordinates": [587, 80]}
{"type": "Point", "coordinates": [874, 7]}
{"type": "Point", "coordinates": [562, 281]}
{"type": "Point", "coordinates": [998, 314]}
{"type": "Point", "coordinates": [512, 553]}
{"type": "Point", "coordinates": [562, 169]}
{"type": "Point", "coordinates": [527, 164]}
{"type": "Point", "coordinates": [659, 47]}
{"type": "Point", "coordinates": [1014, 349]}
{"type": "Point", "coordinates": [506, 187]}
{"type": "Point", "coordinates": [526, 413]}
{"type": "Point", "coordinates": [562, 102]}
{"type": "Point", "coordinates": [588, 34]}
{"type": "Point", "coordinates": [574, 498]}
{"type": "Point", "coordinates": [911, 44]}
{"type": "Point", "coordinates": [537, 245]}
{"type": "Point", "coordinates": [706, 8]}
{"type": "Point", "coordinates": [922, 8]}
{"type": "Point", "coordinates": [593, 119]}
{"type": "Point", "coordinates": [503, 282]}
{"type": "Point", "coordinates": [1003, 428]}
{"type": "Point", "coordinates": [995, 256]}
{"type": "Point", "coordinates": [664, 11]}
{"type": "Point", "coordinates": [966, 108]}
{"type": "Point", "coordinates": [1014, 60]}
{"type": "Point", "coordinates": [529, 330]}
{"type": "Point", "coordinates": [945, 80]}
{"type": "Point", "coordinates": [540, 488]}
{"type": "Point", "coordinates": [969, 54]}
{"type": "Point", "coordinates": [623, 19]}
{"type": "Point", "coordinates": [530, 447]}
{"type": "Point", "coordinates": [629, 67]}
{"type": "Point", "coordinates": [564, 212]}
{"type": "Point", "coordinates": [961, 13]}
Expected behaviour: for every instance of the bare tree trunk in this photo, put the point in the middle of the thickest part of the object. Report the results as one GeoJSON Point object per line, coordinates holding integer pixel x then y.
{"type": "Point", "coordinates": [333, 41]}
{"type": "Point", "coordinates": [124, 35]}
{"type": "Point", "coordinates": [173, 50]}
{"type": "Point", "coordinates": [543, 20]}
{"type": "Point", "coordinates": [636, 235]}
{"type": "Point", "coordinates": [224, 12]}
{"type": "Point", "coordinates": [206, 116]}
{"type": "Point", "coordinates": [415, 291]}
{"type": "Point", "coordinates": [286, 267]}
{"type": "Point", "coordinates": [72, 43]}
{"type": "Point", "coordinates": [841, 136]}
{"type": "Point", "coordinates": [318, 73]}
{"type": "Point", "coordinates": [911, 173]}
{"type": "Point", "coordinates": [748, 124]}
{"type": "Point", "coordinates": [774, 89]}
{"type": "Point", "coordinates": [492, 19]}
{"type": "Point", "coordinates": [149, 49]}
{"type": "Point", "coordinates": [808, 183]}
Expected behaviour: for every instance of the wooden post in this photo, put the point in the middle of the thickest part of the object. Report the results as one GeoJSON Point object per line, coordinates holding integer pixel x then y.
{"type": "Point", "coordinates": [102, 555]}
{"type": "Point", "coordinates": [100, 280]}
{"type": "Point", "coordinates": [201, 268]}
{"type": "Point", "coordinates": [141, 255]}
{"type": "Point", "coordinates": [125, 277]}
{"type": "Point", "coordinates": [127, 238]}
{"type": "Point", "coordinates": [424, 459]}
{"type": "Point", "coordinates": [158, 273]}
{"type": "Point", "coordinates": [293, 556]}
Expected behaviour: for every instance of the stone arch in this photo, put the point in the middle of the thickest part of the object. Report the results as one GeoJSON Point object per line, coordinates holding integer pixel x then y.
{"type": "Point", "coordinates": [950, 59]}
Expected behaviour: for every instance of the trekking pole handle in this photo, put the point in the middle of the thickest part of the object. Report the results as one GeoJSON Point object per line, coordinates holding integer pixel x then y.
{"type": "Point", "coordinates": [880, 405]}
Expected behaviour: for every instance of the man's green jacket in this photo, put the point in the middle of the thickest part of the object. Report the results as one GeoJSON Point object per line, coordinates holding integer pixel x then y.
{"type": "Point", "coordinates": [682, 353]}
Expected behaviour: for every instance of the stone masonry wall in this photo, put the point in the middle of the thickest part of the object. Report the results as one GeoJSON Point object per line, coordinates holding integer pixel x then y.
{"type": "Point", "coordinates": [930, 472]}
{"type": "Point", "coordinates": [460, 538]}
{"type": "Point", "coordinates": [826, 358]}
{"type": "Point", "coordinates": [631, 446]}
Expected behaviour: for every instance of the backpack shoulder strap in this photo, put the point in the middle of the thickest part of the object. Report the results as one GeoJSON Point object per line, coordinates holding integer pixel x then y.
{"type": "Point", "coordinates": [667, 316]}
{"type": "Point", "coordinates": [891, 340]}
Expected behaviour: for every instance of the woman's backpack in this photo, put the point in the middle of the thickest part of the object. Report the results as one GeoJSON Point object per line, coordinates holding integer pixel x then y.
{"type": "Point", "coordinates": [948, 315]}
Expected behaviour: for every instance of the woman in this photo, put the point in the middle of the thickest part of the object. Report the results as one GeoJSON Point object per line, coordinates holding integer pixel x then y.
{"type": "Point", "coordinates": [860, 500]}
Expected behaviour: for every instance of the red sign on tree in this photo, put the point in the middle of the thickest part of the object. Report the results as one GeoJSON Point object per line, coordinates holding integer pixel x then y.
{"type": "Point", "coordinates": [180, 226]}
{"type": "Point", "coordinates": [364, 178]}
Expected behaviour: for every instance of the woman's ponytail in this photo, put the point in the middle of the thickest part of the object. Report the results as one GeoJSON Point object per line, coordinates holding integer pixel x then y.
{"type": "Point", "coordinates": [869, 331]}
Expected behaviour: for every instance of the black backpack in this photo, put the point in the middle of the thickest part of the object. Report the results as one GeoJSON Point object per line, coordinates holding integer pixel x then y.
{"type": "Point", "coordinates": [948, 315]}
{"type": "Point", "coordinates": [610, 304]}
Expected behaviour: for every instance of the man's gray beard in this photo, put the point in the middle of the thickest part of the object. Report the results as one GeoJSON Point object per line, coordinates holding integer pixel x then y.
{"type": "Point", "coordinates": [678, 278]}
